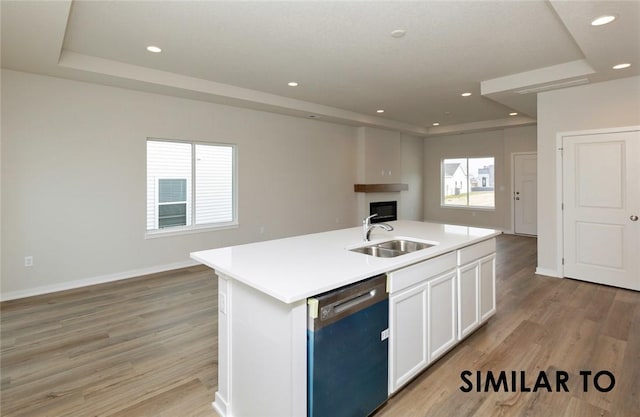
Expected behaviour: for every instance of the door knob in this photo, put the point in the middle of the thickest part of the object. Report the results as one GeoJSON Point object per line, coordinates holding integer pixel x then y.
{"type": "Point", "coordinates": [634, 218]}
{"type": "Point", "coordinates": [518, 198]}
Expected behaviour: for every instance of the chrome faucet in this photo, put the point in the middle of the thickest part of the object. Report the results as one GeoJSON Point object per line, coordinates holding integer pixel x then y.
{"type": "Point", "coordinates": [367, 227]}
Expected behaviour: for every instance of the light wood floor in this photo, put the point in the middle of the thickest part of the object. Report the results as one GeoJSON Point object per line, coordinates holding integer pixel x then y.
{"type": "Point", "coordinates": [140, 347]}
{"type": "Point", "coordinates": [146, 347]}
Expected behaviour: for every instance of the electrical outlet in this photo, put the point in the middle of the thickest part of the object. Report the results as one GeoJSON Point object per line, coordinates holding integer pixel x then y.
{"type": "Point", "coordinates": [384, 335]}
{"type": "Point", "coordinates": [28, 261]}
{"type": "Point", "coordinates": [222, 303]}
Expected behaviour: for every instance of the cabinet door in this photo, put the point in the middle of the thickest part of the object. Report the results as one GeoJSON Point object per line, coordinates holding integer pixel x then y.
{"type": "Point", "coordinates": [442, 314]}
{"type": "Point", "coordinates": [487, 287]}
{"type": "Point", "coordinates": [468, 317]}
{"type": "Point", "coordinates": [407, 335]}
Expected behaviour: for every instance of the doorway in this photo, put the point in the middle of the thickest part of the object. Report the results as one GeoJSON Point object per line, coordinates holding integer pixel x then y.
{"type": "Point", "coordinates": [601, 205]}
{"type": "Point", "coordinates": [525, 193]}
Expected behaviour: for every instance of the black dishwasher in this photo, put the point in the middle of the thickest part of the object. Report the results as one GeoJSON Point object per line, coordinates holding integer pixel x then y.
{"type": "Point", "coordinates": [347, 350]}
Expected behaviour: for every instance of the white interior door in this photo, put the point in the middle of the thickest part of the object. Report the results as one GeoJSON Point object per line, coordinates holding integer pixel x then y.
{"type": "Point", "coordinates": [601, 196]}
{"type": "Point", "coordinates": [525, 194]}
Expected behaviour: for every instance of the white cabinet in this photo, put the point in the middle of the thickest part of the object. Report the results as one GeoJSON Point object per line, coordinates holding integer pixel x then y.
{"type": "Point", "coordinates": [422, 313]}
{"type": "Point", "coordinates": [441, 321]}
{"type": "Point", "coordinates": [408, 347]}
{"type": "Point", "coordinates": [435, 304]}
{"type": "Point", "coordinates": [468, 318]}
{"type": "Point", "coordinates": [487, 287]}
{"type": "Point", "coordinates": [476, 286]}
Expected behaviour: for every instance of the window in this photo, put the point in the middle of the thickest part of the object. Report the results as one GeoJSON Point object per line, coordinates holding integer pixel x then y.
{"type": "Point", "coordinates": [468, 182]}
{"type": "Point", "coordinates": [189, 185]}
{"type": "Point", "coordinates": [172, 202]}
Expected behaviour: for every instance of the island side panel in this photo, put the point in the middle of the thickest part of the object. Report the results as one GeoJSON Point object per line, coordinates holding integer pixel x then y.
{"type": "Point", "coordinates": [221, 402]}
{"type": "Point", "coordinates": [267, 354]}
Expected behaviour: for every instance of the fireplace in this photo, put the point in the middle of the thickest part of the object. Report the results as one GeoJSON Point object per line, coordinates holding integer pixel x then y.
{"type": "Point", "coordinates": [386, 211]}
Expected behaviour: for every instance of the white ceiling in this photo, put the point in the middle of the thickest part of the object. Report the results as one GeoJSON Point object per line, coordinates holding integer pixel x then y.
{"type": "Point", "coordinates": [341, 52]}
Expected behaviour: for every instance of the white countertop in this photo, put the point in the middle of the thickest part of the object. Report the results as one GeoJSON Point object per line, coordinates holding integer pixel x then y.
{"type": "Point", "coordinates": [295, 268]}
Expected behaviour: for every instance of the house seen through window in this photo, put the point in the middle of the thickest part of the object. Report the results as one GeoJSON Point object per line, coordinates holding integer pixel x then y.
{"type": "Point", "coordinates": [468, 182]}
{"type": "Point", "coordinates": [172, 202]}
{"type": "Point", "coordinates": [189, 185]}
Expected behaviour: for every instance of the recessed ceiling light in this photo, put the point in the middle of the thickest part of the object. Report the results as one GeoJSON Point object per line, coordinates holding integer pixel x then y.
{"type": "Point", "coordinates": [380, 111]}
{"type": "Point", "coordinates": [513, 113]}
{"type": "Point", "coordinates": [602, 20]}
{"type": "Point", "coordinates": [398, 33]}
{"type": "Point", "coordinates": [622, 66]}
{"type": "Point", "coordinates": [436, 124]}
{"type": "Point", "coordinates": [292, 84]}
{"type": "Point", "coordinates": [465, 94]}
{"type": "Point", "coordinates": [154, 49]}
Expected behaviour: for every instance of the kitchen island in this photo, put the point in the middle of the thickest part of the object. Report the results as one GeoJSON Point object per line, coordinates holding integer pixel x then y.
{"type": "Point", "coordinates": [263, 289]}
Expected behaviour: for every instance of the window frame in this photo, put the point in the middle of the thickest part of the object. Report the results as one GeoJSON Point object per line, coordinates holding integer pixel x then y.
{"type": "Point", "coordinates": [466, 206]}
{"type": "Point", "coordinates": [194, 228]}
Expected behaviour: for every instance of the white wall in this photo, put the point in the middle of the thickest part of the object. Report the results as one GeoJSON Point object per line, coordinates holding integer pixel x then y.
{"type": "Point", "coordinates": [595, 106]}
{"type": "Point", "coordinates": [499, 144]}
{"type": "Point", "coordinates": [73, 179]}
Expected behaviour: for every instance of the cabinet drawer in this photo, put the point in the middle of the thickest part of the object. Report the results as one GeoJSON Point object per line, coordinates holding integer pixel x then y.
{"type": "Point", "coordinates": [477, 251]}
{"type": "Point", "coordinates": [406, 277]}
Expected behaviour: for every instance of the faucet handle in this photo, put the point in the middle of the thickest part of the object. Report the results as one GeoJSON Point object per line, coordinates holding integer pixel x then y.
{"type": "Point", "coordinates": [367, 220]}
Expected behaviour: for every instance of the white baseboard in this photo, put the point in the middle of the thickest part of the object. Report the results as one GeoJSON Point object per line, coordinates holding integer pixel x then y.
{"type": "Point", "coordinates": [220, 405]}
{"type": "Point", "coordinates": [548, 272]}
{"type": "Point", "coordinates": [47, 289]}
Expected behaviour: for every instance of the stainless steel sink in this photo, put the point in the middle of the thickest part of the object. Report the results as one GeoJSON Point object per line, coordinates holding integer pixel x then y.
{"type": "Point", "coordinates": [404, 245]}
{"type": "Point", "coordinates": [392, 248]}
{"type": "Point", "coordinates": [378, 251]}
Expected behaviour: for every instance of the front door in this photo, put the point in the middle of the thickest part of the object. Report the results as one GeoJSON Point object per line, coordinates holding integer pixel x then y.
{"type": "Point", "coordinates": [601, 196]}
{"type": "Point", "coordinates": [525, 199]}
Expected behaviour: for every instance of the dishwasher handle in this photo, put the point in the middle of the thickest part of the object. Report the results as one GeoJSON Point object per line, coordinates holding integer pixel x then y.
{"type": "Point", "coordinates": [346, 301]}
{"type": "Point", "coordinates": [351, 305]}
